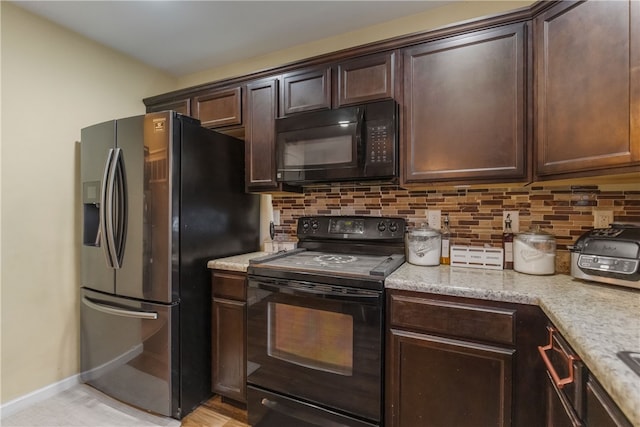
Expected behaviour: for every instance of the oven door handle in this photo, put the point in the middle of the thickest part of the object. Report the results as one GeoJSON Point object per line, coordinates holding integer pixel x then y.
{"type": "Point", "coordinates": [344, 294]}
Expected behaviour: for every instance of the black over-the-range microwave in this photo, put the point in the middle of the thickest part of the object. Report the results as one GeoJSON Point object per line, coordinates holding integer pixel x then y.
{"type": "Point", "coordinates": [356, 143]}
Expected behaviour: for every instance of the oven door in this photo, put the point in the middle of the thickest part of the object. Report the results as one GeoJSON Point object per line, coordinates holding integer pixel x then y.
{"type": "Point", "coordinates": [320, 344]}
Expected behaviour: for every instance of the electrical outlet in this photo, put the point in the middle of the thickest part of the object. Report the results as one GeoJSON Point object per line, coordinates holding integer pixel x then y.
{"type": "Point", "coordinates": [514, 216]}
{"type": "Point", "coordinates": [434, 218]}
{"type": "Point", "coordinates": [602, 219]}
{"type": "Point", "coordinates": [276, 217]}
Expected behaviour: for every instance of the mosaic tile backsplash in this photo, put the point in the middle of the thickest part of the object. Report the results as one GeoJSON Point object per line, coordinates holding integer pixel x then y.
{"type": "Point", "coordinates": [475, 215]}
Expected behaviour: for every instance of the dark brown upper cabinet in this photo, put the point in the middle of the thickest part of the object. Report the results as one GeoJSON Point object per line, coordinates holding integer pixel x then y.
{"type": "Point", "coordinates": [260, 158]}
{"type": "Point", "coordinates": [182, 106]}
{"type": "Point", "coordinates": [587, 88]}
{"type": "Point", "coordinates": [363, 79]}
{"type": "Point", "coordinates": [219, 108]}
{"type": "Point", "coordinates": [305, 90]}
{"type": "Point", "coordinates": [466, 108]}
{"type": "Point", "coordinates": [369, 78]}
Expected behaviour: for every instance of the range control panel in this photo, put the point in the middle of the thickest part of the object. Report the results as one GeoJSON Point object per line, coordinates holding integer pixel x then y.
{"type": "Point", "coordinates": [351, 228]}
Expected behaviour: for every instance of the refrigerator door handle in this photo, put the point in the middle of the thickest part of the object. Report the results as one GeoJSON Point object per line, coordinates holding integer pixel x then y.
{"type": "Point", "coordinates": [104, 212]}
{"type": "Point", "coordinates": [120, 207]}
{"type": "Point", "coordinates": [148, 315]}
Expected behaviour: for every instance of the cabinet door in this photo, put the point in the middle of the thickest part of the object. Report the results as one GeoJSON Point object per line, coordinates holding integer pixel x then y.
{"type": "Point", "coordinates": [559, 410]}
{"type": "Point", "coordinates": [587, 87]}
{"type": "Point", "coordinates": [307, 90]}
{"type": "Point", "coordinates": [466, 108]}
{"type": "Point", "coordinates": [228, 353]}
{"type": "Point", "coordinates": [182, 106]}
{"type": "Point", "coordinates": [446, 382]}
{"type": "Point", "coordinates": [366, 79]}
{"type": "Point", "coordinates": [601, 409]}
{"type": "Point", "coordinates": [219, 108]}
{"type": "Point", "coordinates": [260, 156]}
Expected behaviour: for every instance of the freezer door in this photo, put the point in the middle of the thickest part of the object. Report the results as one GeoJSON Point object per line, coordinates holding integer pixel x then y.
{"type": "Point", "coordinates": [126, 351]}
{"type": "Point", "coordinates": [96, 151]}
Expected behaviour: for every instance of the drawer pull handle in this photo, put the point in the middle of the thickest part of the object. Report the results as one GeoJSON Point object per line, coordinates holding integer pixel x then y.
{"type": "Point", "coordinates": [560, 382]}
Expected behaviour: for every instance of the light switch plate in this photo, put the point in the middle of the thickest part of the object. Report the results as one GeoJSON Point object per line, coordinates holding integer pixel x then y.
{"type": "Point", "coordinates": [515, 220]}
{"type": "Point", "coordinates": [434, 218]}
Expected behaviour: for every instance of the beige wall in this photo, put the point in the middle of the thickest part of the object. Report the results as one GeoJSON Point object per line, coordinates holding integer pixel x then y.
{"type": "Point", "coordinates": [429, 20]}
{"type": "Point", "coordinates": [54, 83]}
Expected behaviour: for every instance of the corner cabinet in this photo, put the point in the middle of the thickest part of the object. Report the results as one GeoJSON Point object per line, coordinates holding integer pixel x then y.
{"type": "Point", "coordinates": [466, 108]}
{"type": "Point", "coordinates": [229, 330]}
{"type": "Point", "coordinates": [588, 88]}
{"type": "Point", "coordinates": [451, 360]}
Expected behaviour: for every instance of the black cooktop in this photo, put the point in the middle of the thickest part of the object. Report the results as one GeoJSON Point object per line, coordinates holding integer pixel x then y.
{"type": "Point", "coordinates": [339, 250]}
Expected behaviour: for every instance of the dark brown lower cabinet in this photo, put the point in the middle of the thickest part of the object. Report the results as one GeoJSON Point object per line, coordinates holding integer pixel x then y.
{"type": "Point", "coordinates": [560, 411]}
{"type": "Point", "coordinates": [575, 398]}
{"type": "Point", "coordinates": [454, 362]}
{"type": "Point", "coordinates": [445, 382]}
{"type": "Point", "coordinates": [229, 329]}
{"type": "Point", "coordinates": [601, 410]}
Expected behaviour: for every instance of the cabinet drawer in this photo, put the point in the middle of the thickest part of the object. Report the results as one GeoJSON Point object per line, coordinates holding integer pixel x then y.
{"type": "Point", "coordinates": [229, 285]}
{"type": "Point", "coordinates": [478, 323]}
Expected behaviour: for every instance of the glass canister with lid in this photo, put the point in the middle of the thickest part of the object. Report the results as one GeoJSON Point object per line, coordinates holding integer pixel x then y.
{"type": "Point", "coordinates": [423, 245]}
{"type": "Point", "coordinates": [534, 252]}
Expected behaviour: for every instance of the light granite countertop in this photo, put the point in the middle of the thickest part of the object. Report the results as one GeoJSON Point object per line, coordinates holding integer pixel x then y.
{"type": "Point", "coordinates": [597, 320]}
{"type": "Point", "coordinates": [234, 263]}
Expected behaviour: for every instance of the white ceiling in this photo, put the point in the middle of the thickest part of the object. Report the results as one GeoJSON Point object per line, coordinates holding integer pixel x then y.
{"type": "Point", "coordinates": [184, 37]}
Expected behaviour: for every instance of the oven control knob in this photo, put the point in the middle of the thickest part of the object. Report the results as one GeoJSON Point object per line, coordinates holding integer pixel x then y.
{"type": "Point", "coordinates": [393, 227]}
{"type": "Point", "coordinates": [382, 226]}
{"type": "Point", "coordinates": [305, 225]}
{"type": "Point", "coordinates": [314, 224]}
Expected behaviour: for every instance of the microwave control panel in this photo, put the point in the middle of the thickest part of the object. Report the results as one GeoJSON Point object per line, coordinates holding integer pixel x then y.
{"type": "Point", "coordinates": [381, 142]}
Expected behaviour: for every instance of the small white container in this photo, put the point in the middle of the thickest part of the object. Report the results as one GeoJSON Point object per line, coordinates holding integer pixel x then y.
{"type": "Point", "coordinates": [534, 252]}
{"type": "Point", "coordinates": [423, 246]}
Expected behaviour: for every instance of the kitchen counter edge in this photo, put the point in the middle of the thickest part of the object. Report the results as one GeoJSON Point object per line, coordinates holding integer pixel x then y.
{"type": "Point", "coordinates": [234, 263]}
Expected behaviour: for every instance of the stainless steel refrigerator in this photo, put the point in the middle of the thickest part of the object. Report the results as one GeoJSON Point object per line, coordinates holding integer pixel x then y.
{"type": "Point", "coordinates": [161, 195]}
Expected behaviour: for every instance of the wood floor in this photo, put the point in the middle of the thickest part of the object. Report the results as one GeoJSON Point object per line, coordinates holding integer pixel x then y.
{"type": "Point", "coordinates": [216, 413]}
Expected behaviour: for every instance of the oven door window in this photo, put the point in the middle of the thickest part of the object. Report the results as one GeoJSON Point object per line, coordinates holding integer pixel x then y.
{"type": "Point", "coordinates": [323, 348]}
{"type": "Point", "coordinates": [317, 339]}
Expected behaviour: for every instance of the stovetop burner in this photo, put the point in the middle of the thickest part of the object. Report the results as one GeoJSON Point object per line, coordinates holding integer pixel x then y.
{"type": "Point", "coordinates": [329, 259]}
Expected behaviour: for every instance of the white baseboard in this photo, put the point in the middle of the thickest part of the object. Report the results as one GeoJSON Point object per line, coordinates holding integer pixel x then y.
{"type": "Point", "coordinates": [36, 396]}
